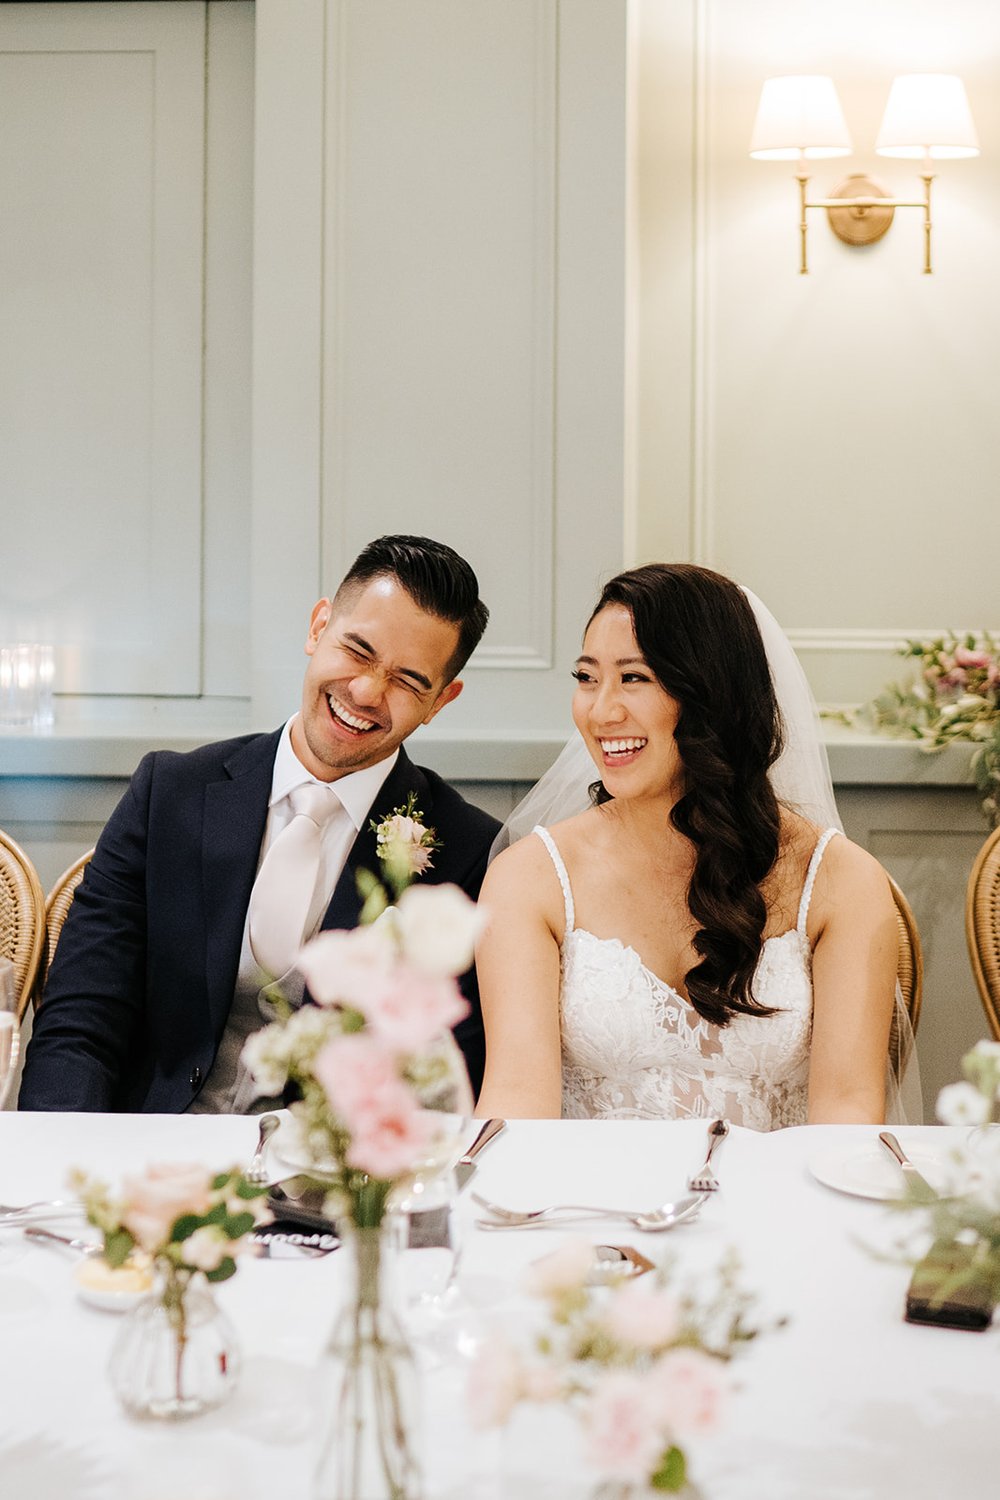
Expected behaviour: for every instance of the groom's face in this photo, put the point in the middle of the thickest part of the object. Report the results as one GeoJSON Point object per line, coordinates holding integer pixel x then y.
{"type": "Point", "coordinates": [377, 670]}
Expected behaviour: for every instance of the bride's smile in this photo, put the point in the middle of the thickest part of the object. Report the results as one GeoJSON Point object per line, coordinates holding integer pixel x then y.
{"type": "Point", "coordinates": [626, 718]}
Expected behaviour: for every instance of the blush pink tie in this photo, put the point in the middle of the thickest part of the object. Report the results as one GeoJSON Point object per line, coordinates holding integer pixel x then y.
{"type": "Point", "coordinates": [283, 891]}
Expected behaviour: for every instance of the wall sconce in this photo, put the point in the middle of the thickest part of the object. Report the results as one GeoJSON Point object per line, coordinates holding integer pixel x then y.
{"type": "Point", "coordinates": [799, 119]}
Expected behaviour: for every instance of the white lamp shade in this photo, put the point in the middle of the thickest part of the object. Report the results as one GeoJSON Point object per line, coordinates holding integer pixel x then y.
{"type": "Point", "coordinates": [797, 116]}
{"type": "Point", "coordinates": [927, 115]}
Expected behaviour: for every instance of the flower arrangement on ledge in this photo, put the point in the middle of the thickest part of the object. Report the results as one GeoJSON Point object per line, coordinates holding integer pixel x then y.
{"type": "Point", "coordinates": [643, 1366]}
{"type": "Point", "coordinates": [955, 697]}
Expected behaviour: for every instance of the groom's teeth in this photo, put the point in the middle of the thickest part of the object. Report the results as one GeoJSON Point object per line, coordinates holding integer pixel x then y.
{"type": "Point", "coordinates": [351, 720]}
{"type": "Point", "coordinates": [620, 747]}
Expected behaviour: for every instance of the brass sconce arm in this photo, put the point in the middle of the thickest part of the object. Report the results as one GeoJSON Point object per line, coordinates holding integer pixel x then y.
{"type": "Point", "coordinates": [860, 212]}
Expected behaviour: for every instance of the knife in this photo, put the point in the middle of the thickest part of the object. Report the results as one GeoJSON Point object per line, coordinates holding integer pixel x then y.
{"type": "Point", "coordinates": [923, 1192]}
{"type": "Point", "coordinates": [465, 1167]}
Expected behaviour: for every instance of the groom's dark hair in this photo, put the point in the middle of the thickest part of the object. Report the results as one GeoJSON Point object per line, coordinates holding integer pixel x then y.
{"type": "Point", "coordinates": [699, 636]}
{"type": "Point", "coordinates": [435, 577]}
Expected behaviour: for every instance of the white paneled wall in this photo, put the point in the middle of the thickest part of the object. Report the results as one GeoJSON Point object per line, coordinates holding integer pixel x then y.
{"type": "Point", "coordinates": [830, 439]}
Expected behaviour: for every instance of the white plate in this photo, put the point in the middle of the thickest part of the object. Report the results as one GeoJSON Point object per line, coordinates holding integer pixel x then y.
{"type": "Point", "coordinates": [870, 1172]}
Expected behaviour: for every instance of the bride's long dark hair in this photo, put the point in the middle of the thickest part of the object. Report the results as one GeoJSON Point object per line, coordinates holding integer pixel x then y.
{"type": "Point", "coordinates": [698, 634]}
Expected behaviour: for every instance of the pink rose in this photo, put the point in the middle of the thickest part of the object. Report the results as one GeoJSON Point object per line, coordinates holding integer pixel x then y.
{"type": "Point", "coordinates": [562, 1270]}
{"type": "Point", "coordinates": [153, 1203]}
{"type": "Point", "coordinates": [976, 659]}
{"type": "Point", "coordinates": [622, 1441]}
{"type": "Point", "coordinates": [410, 1009]}
{"type": "Point", "coordinates": [494, 1384]}
{"type": "Point", "coordinates": [389, 1139]}
{"type": "Point", "coordinates": [344, 967]}
{"type": "Point", "coordinates": [355, 1071]}
{"type": "Point", "coordinates": [208, 1247]}
{"type": "Point", "coordinates": [687, 1387]}
{"type": "Point", "coordinates": [644, 1317]}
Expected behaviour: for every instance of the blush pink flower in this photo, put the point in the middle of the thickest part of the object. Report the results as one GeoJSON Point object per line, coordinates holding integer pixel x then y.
{"type": "Point", "coordinates": [345, 967]}
{"type": "Point", "coordinates": [644, 1317]}
{"type": "Point", "coordinates": [686, 1387]}
{"type": "Point", "coordinates": [562, 1270]}
{"type": "Point", "coordinates": [154, 1202]}
{"type": "Point", "coordinates": [974, 659]}
{"type": "Point", "coordinates": [494, 1384]}
{"type": "Point", "coordinates": [355, 1072]}
{"type": "Point", "coordinates": [410, 1009]}
{"type": "Point", "coordinates": [390, 1138]}
{"type": "Point", "coordinates": [622, 1440]}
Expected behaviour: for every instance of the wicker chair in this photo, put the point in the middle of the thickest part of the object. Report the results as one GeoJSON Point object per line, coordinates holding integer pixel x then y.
{"type": "Point", "coordinates": [909, 973]}
{"type": "Point", "coordinates": [22, 918]}
{"type": "Point", "coordinates": [982, 927]}
{"type": "Point", "coordinates": [57, 904]}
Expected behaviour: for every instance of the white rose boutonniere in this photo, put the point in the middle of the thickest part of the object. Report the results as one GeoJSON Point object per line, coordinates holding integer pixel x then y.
{"type": "Point", "coordinates": [404, 843]}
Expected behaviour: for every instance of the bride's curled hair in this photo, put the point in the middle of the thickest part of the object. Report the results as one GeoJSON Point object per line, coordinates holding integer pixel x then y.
{"type": "Point", "coordinates": [699, 635]}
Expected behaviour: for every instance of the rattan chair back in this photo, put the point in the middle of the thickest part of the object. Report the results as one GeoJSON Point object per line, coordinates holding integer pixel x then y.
{"type": "Point", "coordinates": [57, 904]}
{"type": "Point", "coordinates": [982, 927]}
{"type": "Point", "coordinates": [22, 917]}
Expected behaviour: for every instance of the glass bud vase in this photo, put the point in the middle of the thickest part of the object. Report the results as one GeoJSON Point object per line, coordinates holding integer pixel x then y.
{"type": "Point", "coordinates": [368, 1449]}
{"type": "Point", "coordinates": [175, 1354]}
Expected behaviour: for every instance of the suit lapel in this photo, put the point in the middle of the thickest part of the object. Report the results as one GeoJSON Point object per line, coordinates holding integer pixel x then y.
{"type": "Point", "coordinates": [234, 821]}
{"type": "Point", "coordinates": [404, 778]}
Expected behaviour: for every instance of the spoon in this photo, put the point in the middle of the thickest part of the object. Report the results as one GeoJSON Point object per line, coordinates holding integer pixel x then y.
{"type": "Point", "coordinates": [652, 1220]}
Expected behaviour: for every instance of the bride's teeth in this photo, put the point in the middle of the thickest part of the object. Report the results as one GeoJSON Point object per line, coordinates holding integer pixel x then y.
{"type": "Point", "coordinates": [621, 747]}
{"type": "Point", "coordinates": [351, 720]}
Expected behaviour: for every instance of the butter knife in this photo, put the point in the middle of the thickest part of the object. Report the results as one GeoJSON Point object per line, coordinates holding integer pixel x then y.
{"type": "Point", "coordinates": [465, 1167]}
{"type": "Point", "coordinates": [922, 1190]}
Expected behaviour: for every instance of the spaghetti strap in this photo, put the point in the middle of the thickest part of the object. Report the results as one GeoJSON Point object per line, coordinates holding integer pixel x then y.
{"type": "Point", "coordinates": [556, 857]}
{"type": "Point", "coordinates": [807, 889]}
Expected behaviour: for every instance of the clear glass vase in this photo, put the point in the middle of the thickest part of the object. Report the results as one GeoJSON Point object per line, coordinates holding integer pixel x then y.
{"type": "Point", "coordinates": [176, 1354]}
{"type": "Point", "coordinates": [368, 1450]}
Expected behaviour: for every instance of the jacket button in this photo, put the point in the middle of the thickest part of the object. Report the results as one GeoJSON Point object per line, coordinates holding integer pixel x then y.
{"type": "Point", "coordinates": [195, 1077]}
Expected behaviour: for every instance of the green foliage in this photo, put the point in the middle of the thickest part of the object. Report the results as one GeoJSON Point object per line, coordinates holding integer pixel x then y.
{"type": "Point", "coordinates": [672, 1473]}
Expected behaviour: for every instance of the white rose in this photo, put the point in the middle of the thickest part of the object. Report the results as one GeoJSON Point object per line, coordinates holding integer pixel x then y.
{"type": "Point", "coordinates": [207, 1248]}
{"type": "Point", "coordinates": [961, 1104]}
{"type": "Point", "coordinates": [264, 1060]}
{"type": "Point", "coordinates": [438, 926]}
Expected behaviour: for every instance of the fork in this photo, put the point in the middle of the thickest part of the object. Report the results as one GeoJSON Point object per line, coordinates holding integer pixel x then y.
{"type": "Point", "coordinates": [257, 1172]}
{"type": "Point", "coordinates": [704, 1180]}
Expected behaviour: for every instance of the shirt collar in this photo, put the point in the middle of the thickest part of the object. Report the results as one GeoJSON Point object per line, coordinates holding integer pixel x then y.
{"type": "Point", "coordinates": [357, 790]}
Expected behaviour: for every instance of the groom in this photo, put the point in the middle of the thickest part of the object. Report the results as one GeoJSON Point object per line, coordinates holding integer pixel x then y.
{"type": "Point", "coordinates": [156, 980]}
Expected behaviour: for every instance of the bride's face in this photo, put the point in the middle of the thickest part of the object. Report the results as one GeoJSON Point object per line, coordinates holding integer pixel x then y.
{"type": "Point", "coordinates": [626, 718]}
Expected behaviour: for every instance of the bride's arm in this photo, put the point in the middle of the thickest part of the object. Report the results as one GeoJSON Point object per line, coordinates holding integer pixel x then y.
{"type": "Point", "coordinates": [517, 964]}
{"type": "Point", "coordinates": [854, 981]}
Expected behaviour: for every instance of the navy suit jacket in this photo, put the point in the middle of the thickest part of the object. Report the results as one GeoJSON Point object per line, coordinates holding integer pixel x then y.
{"type": "Point", "coordinates": [143, 978]}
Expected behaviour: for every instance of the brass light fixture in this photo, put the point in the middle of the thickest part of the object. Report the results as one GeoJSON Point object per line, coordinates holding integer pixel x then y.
{"type": "Point", "coordinates": [927, 118]}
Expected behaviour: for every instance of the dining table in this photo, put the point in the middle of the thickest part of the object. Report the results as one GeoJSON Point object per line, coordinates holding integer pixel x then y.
{"type": "Point", "coordinates": [837, 1398]}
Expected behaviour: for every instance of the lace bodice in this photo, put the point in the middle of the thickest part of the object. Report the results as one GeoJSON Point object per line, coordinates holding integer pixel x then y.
{"type": "Point", "coordinates": [632, 1047]}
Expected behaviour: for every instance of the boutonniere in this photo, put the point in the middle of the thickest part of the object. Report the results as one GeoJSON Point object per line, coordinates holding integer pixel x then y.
{"type": "Point", "coordinates": [403, 842]}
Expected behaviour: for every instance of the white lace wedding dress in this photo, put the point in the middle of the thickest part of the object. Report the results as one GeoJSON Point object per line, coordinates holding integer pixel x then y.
{"type": "Point", "coordinates": [633, 1048]}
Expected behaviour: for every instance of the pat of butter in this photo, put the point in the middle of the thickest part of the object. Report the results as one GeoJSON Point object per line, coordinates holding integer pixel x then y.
{"type": "Point", "coordinates": [96, 1275]}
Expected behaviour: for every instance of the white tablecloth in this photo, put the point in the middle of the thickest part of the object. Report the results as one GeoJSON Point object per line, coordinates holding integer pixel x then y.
{"type": "Point", "coordinates": [846, 1401]}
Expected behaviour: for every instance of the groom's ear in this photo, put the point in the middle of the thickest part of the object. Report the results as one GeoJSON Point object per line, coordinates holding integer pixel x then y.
{"type": "Point", "coordinates": [448, 694]}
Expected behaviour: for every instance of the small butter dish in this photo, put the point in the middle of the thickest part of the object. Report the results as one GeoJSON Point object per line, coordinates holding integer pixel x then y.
{"type": "Point", "coordinates": [111, 1288]}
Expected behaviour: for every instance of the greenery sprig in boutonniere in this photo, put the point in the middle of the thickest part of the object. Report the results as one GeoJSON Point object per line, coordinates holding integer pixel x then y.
{"type": "Point", "coordinates": [955, 696]}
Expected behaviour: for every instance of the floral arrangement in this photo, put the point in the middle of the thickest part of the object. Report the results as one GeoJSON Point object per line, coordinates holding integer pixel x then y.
{"type": "Point", "coordinates": [643, 1366]}
{"type": "Point", "coordinates": [955, 697]}
{"type": "Point", "coordinates": [404, 843]}
{"type": "Point", "coordinates": [184, 1218]}
{"type": "Point", "coordinates": [968, 1211]}
{"type": "Point", "coordinates": [374, 1058]}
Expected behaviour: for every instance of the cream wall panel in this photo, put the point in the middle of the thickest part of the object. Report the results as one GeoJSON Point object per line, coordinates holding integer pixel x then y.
{"type": "Point", "coordinates": [841, 446]}
{"type": "Point", "coordinates": [457, 233]}
{"type": "Point", "coordinates": [101, 177]}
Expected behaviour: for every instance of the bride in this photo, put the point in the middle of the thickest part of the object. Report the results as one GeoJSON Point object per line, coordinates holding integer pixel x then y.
{"type": "Point", "coordinates": [687, 945]}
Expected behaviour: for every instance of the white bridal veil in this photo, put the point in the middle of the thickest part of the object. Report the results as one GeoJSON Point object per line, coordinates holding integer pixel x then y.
{"type": "Point", "coordinates": [801, 780]}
